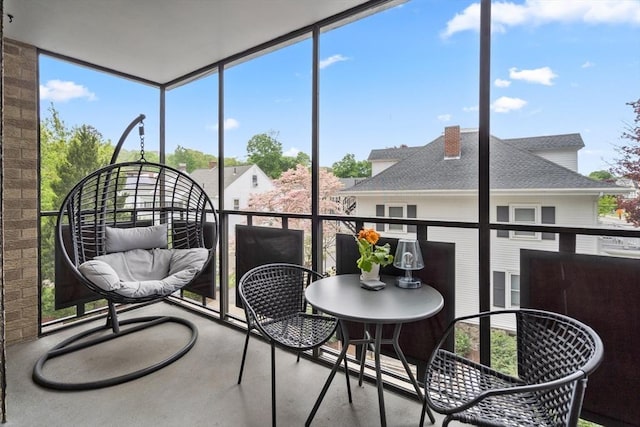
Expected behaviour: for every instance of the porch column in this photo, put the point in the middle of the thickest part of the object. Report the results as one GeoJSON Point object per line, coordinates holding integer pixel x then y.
{"type": "Point", "coordinates": [20, 191]}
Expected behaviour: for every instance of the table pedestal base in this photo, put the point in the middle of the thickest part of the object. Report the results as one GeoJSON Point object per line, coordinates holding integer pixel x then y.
{"type": "Point", "coordinates": [377, 342]}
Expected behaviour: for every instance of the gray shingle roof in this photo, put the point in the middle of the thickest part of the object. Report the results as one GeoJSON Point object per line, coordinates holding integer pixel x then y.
{"type": "Point", "coordinates": [208, 178]}
{"type": "Point", "coordinates": [511, 167]}
{"type": "Point", "coordinates": [549, 142]}
{"type": "Point", "coordinates": [394, 153]}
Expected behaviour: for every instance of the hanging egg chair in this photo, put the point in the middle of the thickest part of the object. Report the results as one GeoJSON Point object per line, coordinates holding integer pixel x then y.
{"type": "Point", "coordinates": [132, 232]}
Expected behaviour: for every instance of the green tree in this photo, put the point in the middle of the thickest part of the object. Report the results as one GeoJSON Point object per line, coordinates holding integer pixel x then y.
{"type": "Point", "coordinates": [86, 152]}
{"type": "Point", "coordinates": [349, 167]}
{"type": "Point", "coordinates": [607, 204]}
{"type": "Point", "coordinates": [601, 175]}
{"type": "Point", "coordinates": [53, 141]}
{"type": "Point", "coordinates": [265, 151]}
{"type": "Point", "coordinates": [134, 156]}
{"type": "Point", "coordinates": [67, 156]}
{"type": "Point", "coordinates": [232, 161]}
{"type": "Point", "coordinates": [194, 159]}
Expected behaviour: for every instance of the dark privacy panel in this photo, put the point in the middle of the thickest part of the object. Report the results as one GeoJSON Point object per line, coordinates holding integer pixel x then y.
{"type": "Point", "coordinates": [205, 283]}
{"type": "Point", "coordinates": [69, 290]}
{"type": "Point", "coordinates": [604, 293]}
{"type": "Point", "coordinates": [265, 245]}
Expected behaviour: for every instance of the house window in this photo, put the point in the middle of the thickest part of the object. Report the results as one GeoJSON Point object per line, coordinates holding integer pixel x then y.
{"type": "Point", "coordinates": [506, 289]}
{"type": "Point", "coordinates": [254, 180]}
{"type": "Point", "coordinates": [396, 211]}
{"type": "Point", "coordinates": [548, 216]}
{"type": "Point", "coordinates": [236, 204]}
{"type": "Point", "coordinates": [526, 214]}
{"type": "Point", "coordinates": [498, 288]}
{"type": "Point", "coordinates": [379, 212]}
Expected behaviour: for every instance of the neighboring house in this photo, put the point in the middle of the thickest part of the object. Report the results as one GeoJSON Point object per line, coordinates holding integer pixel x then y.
{"type": "Point", "coordinates": [240, 182]}
{"type": "Point", "coordinates": [631, 185]}
{"type": "Point", "coordinates": [533, 181]}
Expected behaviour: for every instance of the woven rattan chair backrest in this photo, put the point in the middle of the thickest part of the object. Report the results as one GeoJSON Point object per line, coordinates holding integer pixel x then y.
{"type": "Point", "coordinates": [135, 194]}
{"type": "Point", "coordinates": [551, 346]}
{"type": "Point", "coordinates": [275, 291]}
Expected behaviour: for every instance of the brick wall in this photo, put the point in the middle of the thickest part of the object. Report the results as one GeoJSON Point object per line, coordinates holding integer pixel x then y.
{"type": "Point", "coordinates": [20, 191]}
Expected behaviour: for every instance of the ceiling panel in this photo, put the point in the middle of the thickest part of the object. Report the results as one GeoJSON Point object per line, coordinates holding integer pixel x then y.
{"type": "Point", "coordinates": [159, 40]}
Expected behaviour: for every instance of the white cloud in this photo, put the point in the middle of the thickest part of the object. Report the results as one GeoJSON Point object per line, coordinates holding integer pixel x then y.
{"type": "Point", "coordinates": [229, 124]}
{"type": "Point", "coordinates": [505, 104]}
{"type": "Point", "coordinates": [469, 19]}
{"type": "Point", "coordinates": [470, 109]}
{"type": "Point", "coordinates": [543, 76]}
{"type": "Point", "coordinates": [444, 117]}
{"type": "Point", "coordinates": [588, 64]}
{"type": "Point", "coordinates": [502, 83]}
{"type": "Point", "coordinates": [57, 90]}
{"type": "Point", "coordinates": [291, 152]}
{"type": "Point", "coordinates": [505, 14]}
{"type": "Point", "coordinates": [332, 60]}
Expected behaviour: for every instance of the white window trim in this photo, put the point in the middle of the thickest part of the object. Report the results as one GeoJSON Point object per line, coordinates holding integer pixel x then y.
{"type": "Point", "coordinates": [536, 221]}
{"type": "Point", "coordinates": [510, 290]}
{"type": "Point", "coordinates": [507, 289]}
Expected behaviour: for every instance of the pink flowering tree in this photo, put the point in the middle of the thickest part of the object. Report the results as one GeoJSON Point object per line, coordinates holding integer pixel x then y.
{"type": "Point", "coordinates": [292, 194]}
{"type": "Point", "coordinates": [628, 165]}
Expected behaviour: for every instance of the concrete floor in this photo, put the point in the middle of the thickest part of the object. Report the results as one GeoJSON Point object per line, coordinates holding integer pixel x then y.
{"type": "Point", "coordinates": [200, 389]}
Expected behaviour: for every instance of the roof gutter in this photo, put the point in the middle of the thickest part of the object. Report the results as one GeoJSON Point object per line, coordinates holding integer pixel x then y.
{"type": "Point", "coordinates": [494, 192]}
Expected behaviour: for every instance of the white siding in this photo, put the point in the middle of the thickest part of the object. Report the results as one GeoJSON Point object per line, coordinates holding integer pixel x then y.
{"type": "Point", "coordinates": [505, 252]}
{"type": "Point", "coordinates": [378, 166]}
{"type": "Point", "coordinates": [566, 158]}
{"type": "Point", "coordinates": [242, 188]}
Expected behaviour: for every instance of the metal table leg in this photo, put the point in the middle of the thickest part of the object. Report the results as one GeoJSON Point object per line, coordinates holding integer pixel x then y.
{"type": "Point", "coordinates": [400, 354]}
{"type": "Point", "coordinates": [378, 342]}
{"type": "Point", "coordinates": [341, 357]}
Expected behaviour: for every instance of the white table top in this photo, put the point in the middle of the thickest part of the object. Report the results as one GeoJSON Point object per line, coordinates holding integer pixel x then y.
{"type": "Point", "coordinates": [342, 296]}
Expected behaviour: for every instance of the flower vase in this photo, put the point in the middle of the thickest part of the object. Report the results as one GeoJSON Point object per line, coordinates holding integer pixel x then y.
{"type": "Point", "coordinates": [374, 274]}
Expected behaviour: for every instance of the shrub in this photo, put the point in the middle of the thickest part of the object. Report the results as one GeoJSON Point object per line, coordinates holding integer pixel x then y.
{"type": "Point", "coordinates": [463, 342]}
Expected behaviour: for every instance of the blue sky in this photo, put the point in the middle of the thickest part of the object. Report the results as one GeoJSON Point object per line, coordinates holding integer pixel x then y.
{"type": "Point", "coordinates": [397, 77]}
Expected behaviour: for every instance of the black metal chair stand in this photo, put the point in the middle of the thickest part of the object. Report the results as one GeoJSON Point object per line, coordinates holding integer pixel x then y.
{"type": "Point", "coordinates": [75, 343]}
{"type": "Point", "coordinates": [555, 355]}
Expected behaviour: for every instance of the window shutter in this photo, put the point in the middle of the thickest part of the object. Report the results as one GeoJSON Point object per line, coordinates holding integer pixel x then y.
{"type": "Point", "coordinates": [548, 214]}
{"type": "Point", "coordinates": [498, 288]}
{"type": "Point", "coordinates": [502, 215]}
{"type": "Point", "coordinates": [379, 212]}
{"type": "Point", "coordinates": [412, 212]}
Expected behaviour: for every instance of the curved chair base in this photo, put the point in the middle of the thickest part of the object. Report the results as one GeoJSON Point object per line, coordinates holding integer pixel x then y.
{"type": "Point", "coordinates": [68, 346]}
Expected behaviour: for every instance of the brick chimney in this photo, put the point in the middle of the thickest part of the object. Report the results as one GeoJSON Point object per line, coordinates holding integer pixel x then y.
{"type": "Point", "coordinates": [213, 164]}
{"type": "Point", "coordinates": [452, 142]}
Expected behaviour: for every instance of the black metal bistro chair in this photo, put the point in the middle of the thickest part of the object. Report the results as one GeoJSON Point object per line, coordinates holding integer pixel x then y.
{"type": "Point", "coordinates": [274, 304]}
{"type": "Point", "coordinates": [555, 356]}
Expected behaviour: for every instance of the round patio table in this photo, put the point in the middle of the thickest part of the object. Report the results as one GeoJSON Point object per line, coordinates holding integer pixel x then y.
{"type": "Point", "coordinates": [343, 297]}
